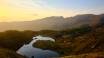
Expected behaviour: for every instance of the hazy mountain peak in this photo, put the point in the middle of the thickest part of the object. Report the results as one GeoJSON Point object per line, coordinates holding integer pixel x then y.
{"type": "Point", "coordinates": [54, 17]}
{"type": "Point", "coordinates": [54, 23]}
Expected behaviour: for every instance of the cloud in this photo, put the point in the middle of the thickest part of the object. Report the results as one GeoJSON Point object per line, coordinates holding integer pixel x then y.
{"type": "Point", "coordinates": [20, 10]}
{"type": "Point", "coordinates": [30, 4]}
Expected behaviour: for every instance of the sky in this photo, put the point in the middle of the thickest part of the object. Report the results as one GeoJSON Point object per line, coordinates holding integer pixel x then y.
{"type": "Point", "coordinates": [27, 10]}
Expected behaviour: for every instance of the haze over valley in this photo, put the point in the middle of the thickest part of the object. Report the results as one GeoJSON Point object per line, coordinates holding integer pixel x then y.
{"type": "Point", "coordinates": [53, 23]}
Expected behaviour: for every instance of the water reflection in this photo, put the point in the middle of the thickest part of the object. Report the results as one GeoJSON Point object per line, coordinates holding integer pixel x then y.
{"type": "Point", "coordinates": [31, 52]}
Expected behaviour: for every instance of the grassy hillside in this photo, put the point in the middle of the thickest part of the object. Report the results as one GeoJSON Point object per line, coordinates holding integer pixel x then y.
{"type": "Point", "coordinates": [5, 53]}
{"type": "Point", "coordinates": [88, 55]}
{"type": "Point", "coordinates": [78, 41]}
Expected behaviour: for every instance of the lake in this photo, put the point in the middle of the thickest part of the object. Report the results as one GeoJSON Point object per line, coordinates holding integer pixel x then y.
{"type": "Point", "coordinates": [32, 52]}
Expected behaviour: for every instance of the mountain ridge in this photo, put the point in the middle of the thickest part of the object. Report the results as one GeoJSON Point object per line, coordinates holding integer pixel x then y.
{"type": "Point", "coordinates": [51, 23]}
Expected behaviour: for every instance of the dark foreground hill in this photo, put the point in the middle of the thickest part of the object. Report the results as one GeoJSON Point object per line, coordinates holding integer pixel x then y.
{"type": "Point", "coordinates": [87, 55]}
{"type": "Point", "coordinates": [5, 53]}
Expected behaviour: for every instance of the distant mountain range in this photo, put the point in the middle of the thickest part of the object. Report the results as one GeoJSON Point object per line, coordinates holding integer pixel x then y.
{"type": "Point", "coordinates": [54, 23]}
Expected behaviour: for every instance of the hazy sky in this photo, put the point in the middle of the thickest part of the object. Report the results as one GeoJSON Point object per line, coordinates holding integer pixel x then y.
{"type": "Point", "coordinates": [23, 10]}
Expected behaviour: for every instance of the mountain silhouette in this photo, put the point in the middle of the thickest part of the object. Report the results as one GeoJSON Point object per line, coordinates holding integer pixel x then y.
{"type": "Point", "coordinates": [54, 23]}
